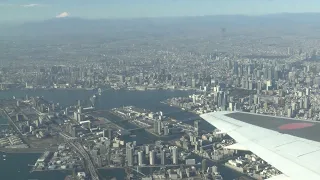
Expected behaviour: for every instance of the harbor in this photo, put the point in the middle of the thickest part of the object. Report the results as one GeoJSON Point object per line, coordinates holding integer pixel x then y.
{"type": "Point", "coordinates": [110, 120]}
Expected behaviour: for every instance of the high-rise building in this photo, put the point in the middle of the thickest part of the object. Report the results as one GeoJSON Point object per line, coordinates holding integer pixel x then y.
{"type": "Point", "coordinates": [289, 112]}
{"type": "Point", "coordinates": [236, 106]}
{"type": "Point", "coordinates": [269, 85]}
{"type": "Point", "coordinates": [31, 128]}
{"type": "Point", "coordinates": [306, 102]}
{"type": "Point", "coordinates": [129, 154]}
{"type": "Point", "coordinates": [155, 126]}
{"type": "Point", "coordinates": [294, 106]}
{"type": "Point", "coordinates": [229, 65]}
{"type": "Point", "coordinates": [256, 99]}
{"type": "Point", "coordinates": [270, 73]}
{"type": "Point", "coordinates": [225, 100]}
{"type": "Point", "coordinates": [250, 99]}
{"type": "Point", "coordinates": [235, 68]}
{"type": "Point", "coordinates": [163, 157]}
{"type": "Point", "coordinates": [152, 156]}
{"type": "Point", "coordinates": [80, 110]}
{"type": "Point", "coordinates": [250, 86]}
{"type": "Point", "coordinates": [166, 130]}
{"type": "Point", "coordinates": [140, 158]}
{"type": "Point", "coordinates": [240, 73]}
{"type": "Point", "coordinates": [37, 122]}
{"type": "Point", "coordinates": [75, 116]}
{"type": "Point", "coordinates": [310, 113]}
{"type": "Point", "coordinates": [196, 127]}
{"type": "Point", "coordinates": [307, 91]}
{"type": "Point", "coordinates": [174, 155]}
{"type": "Point", "coordinates": [254, 110]}
{"type": "Point", "coordinates": [159, 127]}
{"type": "Point", "coordinates": [66, 112]}
{"type": "Point", "coordinates": [110, 133]}
{"type": "Point", "coordinates": [231, 106]}
{"type": "Point", "coordinates": [107, 133]}
{"type": "Point", "coordinates": [194, 98]}
{"type": "Point", "coordinates": [265, 73]}
{"type": "Point", "coordinates": [204, 165]}
{"type": "Point", "coordinates": [250, 69]}
{"type": "Point", "coordinates": [79, 117]}
{"type": "Point", "coordinates": [277, 75]}
{"type": "Point", "coordinates": [193, 83]}
{"type": "Point", "coordinates": [196, 146]}
{"type": "Point", "coordinates": [147, 149]}
{"type": "Point", "coordinates": [220, 98]}
{"type": "Point", "coordinates": [259, 85]}
{"type": "Point", "coordinates": [191, 138]}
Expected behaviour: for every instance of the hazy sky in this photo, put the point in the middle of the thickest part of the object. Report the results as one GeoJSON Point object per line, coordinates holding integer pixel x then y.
{"type": "Point", "coordinates": [32, 10]}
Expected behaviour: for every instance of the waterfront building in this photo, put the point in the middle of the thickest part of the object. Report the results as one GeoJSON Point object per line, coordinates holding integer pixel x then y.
{"type": "Point", "coordinates": [163, 157]}
{"type": "Point", "coordinates": [159, 127]}
{"type": "Point", "coordinates": [155, 126]}
{"type": "Point", "coordinates": [152, 156]}
{"type": "Point", "coordinates": [174, 154]}
{"type": "Point", "coordinates": [66, 112]}
{"type": "Point", "coordinates": [147, 149]}
{"type": "Point", "coordinates": [140, 158]}
{"type": "Point", "coordinates": [196, 127]}
{"type": "Point", "coordinates": [166, 130]}
{"type": "Point", "coordinates": [129, 154]}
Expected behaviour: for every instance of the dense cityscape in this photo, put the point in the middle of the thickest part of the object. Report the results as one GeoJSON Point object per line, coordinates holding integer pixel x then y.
{"type": "Point", "coordinates": [245, 69]}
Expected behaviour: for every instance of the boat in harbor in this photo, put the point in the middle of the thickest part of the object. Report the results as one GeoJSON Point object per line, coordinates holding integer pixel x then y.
{"type": "Point", "coordinates": [99, 91]}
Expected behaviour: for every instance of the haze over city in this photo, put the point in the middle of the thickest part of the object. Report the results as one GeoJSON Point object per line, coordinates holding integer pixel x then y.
{"type": "Point", "coordinates": [159, 89]}
{"type": "Point", "coordinates": [26, 10]}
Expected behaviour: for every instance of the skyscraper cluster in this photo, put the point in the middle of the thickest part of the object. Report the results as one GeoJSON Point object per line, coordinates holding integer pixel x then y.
{"type": "Point", "coordinates": [151, 155]}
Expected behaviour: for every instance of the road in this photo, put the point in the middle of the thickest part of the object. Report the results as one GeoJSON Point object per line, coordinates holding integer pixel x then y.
{"type": "Point", "coordinates": [79, 148]}
{"type": "Point", "coordinates": [11, 121]}
{"type": "Point", "coordinates": [88, 160]}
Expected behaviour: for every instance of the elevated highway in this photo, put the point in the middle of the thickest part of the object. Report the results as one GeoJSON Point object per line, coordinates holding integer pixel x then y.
{"type": "Point", "coordinates": [87, 159]}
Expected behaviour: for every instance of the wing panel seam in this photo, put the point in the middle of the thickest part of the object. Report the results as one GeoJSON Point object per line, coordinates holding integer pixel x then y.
{"type": "Point", "coordinates": [286, 143]}
{"type": "Point", "coordinates": [308, 153]}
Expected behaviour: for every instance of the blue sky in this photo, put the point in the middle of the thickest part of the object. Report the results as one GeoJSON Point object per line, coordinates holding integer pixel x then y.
{"type": "Point", "coordinates": [34, 10]}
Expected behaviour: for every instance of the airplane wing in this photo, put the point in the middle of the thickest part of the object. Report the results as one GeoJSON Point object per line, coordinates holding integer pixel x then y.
{"type": "Point", "coordinates": [292, 146]}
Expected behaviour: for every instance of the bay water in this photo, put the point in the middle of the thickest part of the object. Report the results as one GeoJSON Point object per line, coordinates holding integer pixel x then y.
{"type": "Point", "coordinates": [15, 166]}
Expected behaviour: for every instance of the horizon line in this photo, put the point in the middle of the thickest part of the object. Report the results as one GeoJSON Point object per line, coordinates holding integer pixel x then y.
{"type": "Point", "coordinates": [158, 17]}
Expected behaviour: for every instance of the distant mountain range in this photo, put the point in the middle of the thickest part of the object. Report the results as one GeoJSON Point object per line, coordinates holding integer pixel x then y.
{"type": "Point", "coordinates": [78, 26]}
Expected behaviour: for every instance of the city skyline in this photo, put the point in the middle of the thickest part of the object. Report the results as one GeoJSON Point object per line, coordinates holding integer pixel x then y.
{"type": "Point", "coordinates": [26, 10]}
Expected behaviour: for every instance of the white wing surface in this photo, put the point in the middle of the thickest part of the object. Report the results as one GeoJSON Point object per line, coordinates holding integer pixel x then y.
{"type": "Point", "coordinates": [282, 142]}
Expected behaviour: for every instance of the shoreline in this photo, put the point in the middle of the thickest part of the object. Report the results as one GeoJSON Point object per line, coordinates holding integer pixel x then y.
{"type": "Point", "coordinates": [116, 89]}
{"type": "Point", "coordinates": [47, 170]}
{"type": "Point", "coordinates": [26, 150]}
{"type": "Point", "coordinates": [181, 108]}
{"type": "Point", "coordinates": [148, 130]}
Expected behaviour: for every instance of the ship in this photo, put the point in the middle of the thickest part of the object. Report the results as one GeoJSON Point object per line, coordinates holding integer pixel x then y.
{"type": "Point", "coordinates": [93, 100]}
{"type": "Point", "coordinates": [99, 91]}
